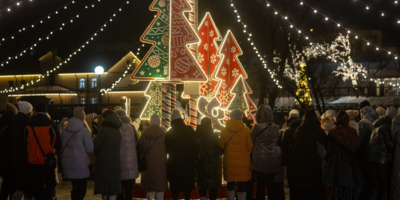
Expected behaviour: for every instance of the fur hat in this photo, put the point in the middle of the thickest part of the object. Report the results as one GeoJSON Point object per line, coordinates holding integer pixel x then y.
{"type": "Point", "coordinates": [237, 114]}
{"type": "Point", "coordinates": [176, 114]}
{"type": "Point", "coordinates": [11, 108]}
{"type": "Point", "coordinates": [155, 120]}
{"type": "Point", "coordinates": [25, 107]}
{"type": "Point", "coordinates": [41, 107]}
{"type": "Point", "coordinates": [79, 113]}
{"type": "Point", "coordinates": [352, 114]}
{"type": "Point", "coordinates": [294, 113]}
{"type": "Point", "coordinates": [381, 111]}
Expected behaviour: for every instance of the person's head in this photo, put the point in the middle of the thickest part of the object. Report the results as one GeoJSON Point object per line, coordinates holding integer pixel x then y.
{"type": "Point", "coordinates": [96, 119]}
{"type": "Point", "coordinates": [294, 113]}
{"type": "Point", "coordinates": [369, 114]}
{"type": "Point", "coordinates": [11, 108]}
{"type": "Point", "coordinates": [176, 114]}
{"type": "Point", "coordinates": [327, 124]}
{"type": "Point", "coordinates": [155, 120]}
{"type": "Point", "coordinates": [364, 104]}
{"type": "Point", "coordinates": [120, 112]}
{"type": "Point", "coordinates": [264, 114]}
{"type": "Point", "coordinates": [118, 108]}
{"type": "Point", "coordinates": [352, 114]}
{"type": "Point", "coordinates": [25, 108]}
{"type": "Point", "coordinates": [206, 121]}
{"type": "Point", "coordinates": [381, 111]}
{"type": "Point", "coordinates": [41, 108]}
{"type": "Point", "coordinates": [391, 112]}
{"type": "Point", "coordinates": [237, 114]}
{"type": "Point", "coordinates": [285, 117]}
{"type": "Point", "coordinates": [79, 113]}
{"type": "Point", "coordinates": [104, 110]}
{"type": "Point", "coordinates": [89, 116]}
{"type": "Point", "coordinates": [342, 119]}
{"type": "Point", "coordinates": [65, 123]}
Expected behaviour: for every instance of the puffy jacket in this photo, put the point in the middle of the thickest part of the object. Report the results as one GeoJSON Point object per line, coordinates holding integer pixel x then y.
{"type": "Point", "coordinates": [155, 176]}
{"type": "Point", "coordinates": [237, 166]}
{"type": "Point", "coordinates": [48, 137]}
{"type": "Point", "coordinates": [75, 159]}
{"type": "Point", "coordinates": [129, 167]}
{"type": "Point", "coordinates": [266, 153]}
{"type": "Point", "coordinates": [380, 144]}
{"type": "Point", "coordinates": [395, 178]}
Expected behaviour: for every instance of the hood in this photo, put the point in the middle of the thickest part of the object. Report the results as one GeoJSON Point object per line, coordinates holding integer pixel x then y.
{"type": "Point", "coordinates": [294, 122]}
{"type": "Point", "coordinates": [310, 120]}
{"type": "Point", "coordinates": [153, 132]}
{"type": "Point", "coordinates": [370, 114]}
{"type": "Point", "coordinates": [391, 112]}
{"type": "Point", "coordinates": [234, 125]}
{"type": "Point", "coordinates": [342, 119]}
{"type": "Point", "coordinates": [60, 125]}
{"type": "Point", "coordinates": [264, 114]}
{"type": "Point", "coordinates": [114, 120]}
{"type": "Point", "coordinates": [74, 125]}
{"type": "Point", "coordinates": [383, 120]}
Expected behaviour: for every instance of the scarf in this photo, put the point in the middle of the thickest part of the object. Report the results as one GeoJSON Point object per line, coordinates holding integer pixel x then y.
{"type": "Point", "coordinates": [345, 134]}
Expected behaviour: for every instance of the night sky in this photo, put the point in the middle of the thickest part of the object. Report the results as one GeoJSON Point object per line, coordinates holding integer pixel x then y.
{"type": "Point", "coordinates": [129, 25]}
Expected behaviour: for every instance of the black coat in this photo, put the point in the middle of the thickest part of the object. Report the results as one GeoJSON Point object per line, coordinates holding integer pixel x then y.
{"type": "Point", "coordinates": [6, 137]}
{"type": "Point", "coordinates": [179, 142]}
{"type": "Point", "coordinates": [209, 167]}
{"type": "Point", "coordinates": [287, 142]}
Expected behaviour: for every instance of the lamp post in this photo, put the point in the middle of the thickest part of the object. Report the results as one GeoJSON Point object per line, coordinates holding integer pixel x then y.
{"type": "Point", "coordinates": [99, 70]}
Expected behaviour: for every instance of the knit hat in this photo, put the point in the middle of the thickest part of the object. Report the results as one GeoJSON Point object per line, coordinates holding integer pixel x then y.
{"type": "Point", "coordinates": [11, 108]}
{"type": "Point", "coordinates": [237, 114]}
{"type": "Point", "coordinates": [176, 114]}
{"type": "Point", "coordinates": [25, 107]}
{"type": "Point", "coordinates": [364, 104]}
{"type": "Point", "coordinates": [391, 112]}
{"type": "Point", "coordinates": [155, 120]}
{"type": "Point", "coordinates": [294, 113]}
{"type": "Point", "coordinates": [107, 112]}
{"type": "Point", "coordinates": [352, 114]}
{"type": "Point", "coordinates": [381, 111]}
{"type": "Point", "coordinates": [120, 112]}
{"type": "Point", "coordinates": [41, 107]}
{"type": "Point", "coordinates": [79, 113]}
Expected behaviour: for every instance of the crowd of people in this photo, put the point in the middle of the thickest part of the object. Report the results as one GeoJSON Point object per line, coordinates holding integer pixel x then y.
{"type": "Point", "coordinates": [348, 155]}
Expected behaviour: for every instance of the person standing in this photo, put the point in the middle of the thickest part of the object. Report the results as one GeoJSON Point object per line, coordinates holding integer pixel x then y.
{"type": "Point", "coordinates": [108, 159]}
{"type": "Point", "coordinates": [154, 179]}
{"type": "Point", "coordinates": [63, 123]}
{"type": "Point", "coordinates": [42, 140]}
{"type": "Point", "coordinates": [19, 156]}
{"type": "Point", "coordinates": [395, 178]}
{"type": "Point", "coordinates": [305, 163]}
{"type": "Point", "coordinates": [236, 141]}
{"type": "Point", "coordinates": [380, 147]}
{"type": "Point", "coordinates": [77, 144]}
{"type": "Point", "coordinates": [6, 136]}
{"type": "Point", "coordinates": [179, 142]}
{"type": "Point", "coordinates": [129, 161]}
{"type": "Point", "coordinates": [266, 153]}
{"type": "Point", "coordinates": [209, 169]}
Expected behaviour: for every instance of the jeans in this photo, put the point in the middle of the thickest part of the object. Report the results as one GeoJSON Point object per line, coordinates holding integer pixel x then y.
{"type": "Point", "coordinates": [263, 180]}
{"type": "Point", "coordinates": [78, 191]}
{"type": "Point", "coordinates": [127, 190]}
{"type": "Point", "coordinates": [175, 194]}
{"type": "Point", "coordinates": [240, 186]}
{"type": "Point", "coordinates": [212, 193]}
{"type": "Point", "coordinates": [43, 182]}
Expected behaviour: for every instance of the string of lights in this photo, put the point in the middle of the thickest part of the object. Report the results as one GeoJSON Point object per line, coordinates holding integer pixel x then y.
{"type": "Point", "coordinates": [40, 21]}
{"type": "Point", "coordinates": [367, 42]}
{"type": "Point", "coordinates": [88, 41]}
{"type": "Point", "coordinates": [17, 4]}
{"type": "Point", "coordinates": [264, 62]}
{"type": "Point", "coordinates": [382, 13]}
{"type": "Point", "coordinates": [40, 39]}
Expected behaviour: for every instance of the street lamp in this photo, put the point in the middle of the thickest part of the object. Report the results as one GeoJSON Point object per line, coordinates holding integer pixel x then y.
{"type": "Point", "coordinates": [99, 70]}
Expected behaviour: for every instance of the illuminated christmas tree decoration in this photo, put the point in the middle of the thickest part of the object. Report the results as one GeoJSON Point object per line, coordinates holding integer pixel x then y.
{"type": "Point", "coordinates": [154, 104]}
{"type": "Point", "coordinates": [303, 91]}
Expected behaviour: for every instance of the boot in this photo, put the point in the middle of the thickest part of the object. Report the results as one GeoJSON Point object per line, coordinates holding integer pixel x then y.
{"type": "Point", "coordinates": [159, 195]}
{"type": "Point", "coordinates": [230, 194]}
{"type": "Point", "coordinates": [242, 195]}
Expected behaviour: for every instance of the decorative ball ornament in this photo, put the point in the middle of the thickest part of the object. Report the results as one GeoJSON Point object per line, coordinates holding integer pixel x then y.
{"type": "Point", "coordinates": [182, 65]}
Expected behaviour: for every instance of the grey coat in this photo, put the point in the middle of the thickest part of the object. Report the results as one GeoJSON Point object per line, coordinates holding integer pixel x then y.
{"type": "Point", "coordinates": [75, 159]}
{"type": "Point", "coordinates": [108, 161]}
{"type": "Point", "coordinates": [129, 164]}
{"type": "Point", "coordinates": [266, 153]}
{"type": "Point", "coordinates": [395, 178]}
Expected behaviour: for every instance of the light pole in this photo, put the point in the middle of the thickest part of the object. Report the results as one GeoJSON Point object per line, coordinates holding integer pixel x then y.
{"type": "Point", "coordinates": [99, 70]}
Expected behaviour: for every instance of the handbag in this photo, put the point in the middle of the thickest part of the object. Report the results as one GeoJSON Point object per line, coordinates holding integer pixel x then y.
{"type": "Point", "coordinates": [50, 159]}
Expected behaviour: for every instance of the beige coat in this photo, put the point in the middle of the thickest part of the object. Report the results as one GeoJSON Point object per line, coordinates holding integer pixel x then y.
{"type": "Point", "coordinates": [155, 176]}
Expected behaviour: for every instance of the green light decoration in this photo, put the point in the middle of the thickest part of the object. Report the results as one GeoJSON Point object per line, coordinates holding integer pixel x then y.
{"type": "Point", "coordinates": [239, 100]}
{"type": "Point", "coordinates": [303, 91]}
{"type": "Point", "coordinates": [154, 104]}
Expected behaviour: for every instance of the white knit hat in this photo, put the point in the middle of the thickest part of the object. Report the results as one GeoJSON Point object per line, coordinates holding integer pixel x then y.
{"type": "Point", "coordinates": [155, 120]}
{"type": "Point", "coordinates": [176, 114]}
{"type": "Point", "coordinates": [237, 114]}
{"type": "Point", "coordinates": [25, 107]}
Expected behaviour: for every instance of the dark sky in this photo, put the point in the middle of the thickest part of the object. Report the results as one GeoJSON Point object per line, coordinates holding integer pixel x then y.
{"type": "Point", "coordinates": [129, 25]}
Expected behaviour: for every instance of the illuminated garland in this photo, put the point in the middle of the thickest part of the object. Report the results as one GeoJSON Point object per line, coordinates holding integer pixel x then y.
{"type": "Point", "coordinates": [383, 14]}
{"type": "Point", "coordinates": [47, 37]}
{"type": "Point", "coordinates": [10, 90]}
{"type": "Point", "coordinates": [17, 4]}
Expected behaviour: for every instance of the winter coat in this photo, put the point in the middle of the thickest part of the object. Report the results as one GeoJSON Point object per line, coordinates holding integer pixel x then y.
{"type": "Point", "coordinates": [266, 153]}
{"type": "Point", "coordinates": [179, 142]}
{"type": "Point", "coordinates": [305, 166]}
{"type": "Point", "coordinates": [237, 166]}
{"type": "Point", "coordinates": [380, 144]}
{"type": "Point", "coordinates": [353, 124]}
{"type": "Point", "coordinates": [6, 138]}
{"type": "Point", "coordinates": [75, 159]}
{"type": "Point", "coordinates": [129, 164]}
{"type": "Point", "coordinates": [19, 155]}
{"type": "Point", "coordinates": [155, 176]}
{"type": "Point", "coordinates": [209, 171]}
{"type": "Point", "coordinates": [395, 178]}
{"type": "Point", "coordinates": [108, 160]}
{"type": "Point", "coordinates": [287, 143]}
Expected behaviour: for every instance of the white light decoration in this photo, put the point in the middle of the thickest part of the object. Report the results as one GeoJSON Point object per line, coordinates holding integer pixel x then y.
{"type": "Point", "coordinates": [32, 47]}
{"type": "Point", "coordinates": [99, 70]}
{"type": "Point", "coordinates": [10, 90]}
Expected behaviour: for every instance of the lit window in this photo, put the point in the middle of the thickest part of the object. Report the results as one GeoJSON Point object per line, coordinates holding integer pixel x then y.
{"type": "Point", "coordinates": [94, 100]}
{"type": "Point", "coordinates": [83, 100]}
{"type": "Point", "coordinates": [94, 83]}
{"type": "Point", "coordinates": [82, 83]}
